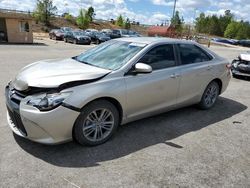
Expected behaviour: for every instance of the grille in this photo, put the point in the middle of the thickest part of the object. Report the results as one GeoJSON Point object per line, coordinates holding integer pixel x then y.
{"type": "Point", "coordinates": [244, 71]}
{"type": "Point", "coordinates": [16, 119]}
{"type": "Point", "coordinates": [17, 96]}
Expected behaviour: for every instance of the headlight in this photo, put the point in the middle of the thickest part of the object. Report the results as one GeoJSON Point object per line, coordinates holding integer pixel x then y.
{"type": "Point", "coordinates": [48, 102]}
{"type": "Point", "coordinates": [235, 65]}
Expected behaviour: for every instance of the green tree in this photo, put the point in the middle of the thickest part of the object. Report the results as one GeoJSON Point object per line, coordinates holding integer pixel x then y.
{"type": "Point", "coordinates": [232, 30]}
{"type": "Point", "coordinates": [214, 26]}
{"type": "Point", "coordinates": [177, 22]}
{"type": "Point", "coordinates": [83, 19]}
{"type": "Point", "coordinates": [90, 13]}
{"type": "Point", "coordinates": [44, 11]}
{"type": "Point", "coordinates": [127, 24]}
{"type": "Point", "coordinates": [69, 18]}
{"type": "Point", "coordinates": [225, 20]}
{"type": "Point", "coordinates": [119, 21]}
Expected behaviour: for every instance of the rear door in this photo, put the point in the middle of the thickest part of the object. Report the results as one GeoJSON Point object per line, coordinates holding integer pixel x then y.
{"type": "Point", "coordinates": [196, 72]}
{"type": "Point", "coordinates": [157, 90]}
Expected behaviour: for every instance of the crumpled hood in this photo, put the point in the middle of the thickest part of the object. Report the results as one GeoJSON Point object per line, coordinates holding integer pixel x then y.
{"type": "Point", "coordinates": [245, 56]}
{"type": "Point", "coordinates": [53, 73]}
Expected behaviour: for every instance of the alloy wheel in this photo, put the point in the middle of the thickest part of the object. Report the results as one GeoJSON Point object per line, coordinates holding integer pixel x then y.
{"type": "Point", "coordinates": [211, 95]}
{"type": "Point", "coordinates": [98, 125]}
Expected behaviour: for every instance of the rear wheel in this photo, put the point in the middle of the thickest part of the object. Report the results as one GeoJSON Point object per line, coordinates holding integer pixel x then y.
{"type": "Point", "coordinates": [97, 123]}
{"type": "Point", "coordinates": [209, 96]}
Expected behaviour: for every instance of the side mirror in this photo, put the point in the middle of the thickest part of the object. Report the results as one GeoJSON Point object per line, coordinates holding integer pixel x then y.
{"type": "Point", "coordinates": [142, 68]}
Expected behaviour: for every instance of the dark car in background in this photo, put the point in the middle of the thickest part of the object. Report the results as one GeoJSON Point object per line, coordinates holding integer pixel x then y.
{"type": "Point", "coordinates": [226, 41]}
{"type": "Point", "coordinates": [133, 34]}
{"type": "Point", "coordinates": [66, 29]}
{"type": "Point", "coordinates": [77, 37]}
{"type": "Point", "coordinates": [56, 34]}
{"type": "Point", "coordinates": [115, 34]}
{"type": "Point", "coordinates": [241, 65]}
{"type": "Point", "coordinates": [100, 37]}
{"type": "Point", "coordinates": [245, 43]}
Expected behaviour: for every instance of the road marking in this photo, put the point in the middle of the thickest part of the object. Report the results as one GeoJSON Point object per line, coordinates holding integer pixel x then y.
{"type": "Point", "coordinates": [71, 183]}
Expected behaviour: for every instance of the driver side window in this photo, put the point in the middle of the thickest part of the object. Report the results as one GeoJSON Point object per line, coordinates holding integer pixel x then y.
{"type": "Point", "coordinates": [160, 57]}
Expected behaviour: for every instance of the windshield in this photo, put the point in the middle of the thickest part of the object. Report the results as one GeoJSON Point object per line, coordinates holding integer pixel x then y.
{"type": "Point", "coordinates": [110, 55]}
{"type": "Point", "coordinates": [79, 33]}
{"type": "Point", "coordinates": [125, 32]}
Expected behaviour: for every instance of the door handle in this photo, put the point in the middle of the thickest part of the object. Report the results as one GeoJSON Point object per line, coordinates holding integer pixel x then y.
{"type": "Point", "coordinates": [175, 75]}
{"type": "Point", "coordinates": [209, 67]}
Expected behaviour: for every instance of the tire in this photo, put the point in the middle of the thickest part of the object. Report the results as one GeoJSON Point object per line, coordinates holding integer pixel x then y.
{"type": "Point", "coordinates": [98, 42]}
{"type": "Point", "coordinates": [89, 130]}
{"type": "Point", "coordinates": [209, 96]}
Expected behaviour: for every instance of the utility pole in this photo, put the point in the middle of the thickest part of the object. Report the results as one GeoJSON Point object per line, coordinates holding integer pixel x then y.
{"type": "Point", "coordinates": [174, 8]}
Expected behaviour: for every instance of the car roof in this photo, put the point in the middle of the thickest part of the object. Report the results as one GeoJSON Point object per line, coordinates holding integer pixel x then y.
{"type": "Point", "coordinates": [151, 40]}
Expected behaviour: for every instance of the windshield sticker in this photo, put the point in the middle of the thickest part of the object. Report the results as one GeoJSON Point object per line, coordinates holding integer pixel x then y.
{"type": "Point", "coordinates": [137, 44]}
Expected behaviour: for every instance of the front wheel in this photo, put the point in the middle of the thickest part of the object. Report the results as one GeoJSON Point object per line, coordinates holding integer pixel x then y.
{"type": "Point", "coordinates": [97, 123]}
{"type": "Point", "coordinates": [209, 96]}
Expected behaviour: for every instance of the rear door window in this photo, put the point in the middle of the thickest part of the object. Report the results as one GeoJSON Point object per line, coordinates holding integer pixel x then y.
{"type": "Point", "coordinates": [190, 53]}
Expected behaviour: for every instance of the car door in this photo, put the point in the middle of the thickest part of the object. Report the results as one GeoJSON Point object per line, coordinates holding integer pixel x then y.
{"type": "Point", "coordinates": [147, 93]}
{"type": "Point", "coordinates": [196, 72]}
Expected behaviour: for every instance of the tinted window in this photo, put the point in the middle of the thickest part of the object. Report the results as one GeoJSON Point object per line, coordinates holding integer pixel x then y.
{"type": "Point", "coordinates": [192, 54]}
{"type": "Point", "coordinates": [160, 57]}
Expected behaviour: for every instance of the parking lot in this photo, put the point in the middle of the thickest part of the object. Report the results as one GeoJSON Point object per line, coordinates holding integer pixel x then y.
{"type": "Point", "coordinates": [183, 148]}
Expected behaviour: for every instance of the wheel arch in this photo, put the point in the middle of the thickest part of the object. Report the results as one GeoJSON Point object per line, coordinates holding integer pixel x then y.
{"type": "Point", "coordinates": [219, 82]}
{"type": "Point", "coordinates": [112, 100]}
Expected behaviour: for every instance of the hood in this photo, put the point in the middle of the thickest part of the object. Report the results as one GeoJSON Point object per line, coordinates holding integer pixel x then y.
{"type": "Point", "coordinates": [82, 37]}
{"type": "Point", "coordinates": [245, 57]}
{"type": "Point", "coordinates": [53, 73]}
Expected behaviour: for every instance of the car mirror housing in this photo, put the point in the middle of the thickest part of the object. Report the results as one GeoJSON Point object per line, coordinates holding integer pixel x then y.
{"type": "Point", "coordinates": [142, 68]}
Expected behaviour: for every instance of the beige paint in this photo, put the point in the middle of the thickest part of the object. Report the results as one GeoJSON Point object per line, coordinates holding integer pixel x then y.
{"type": "Point", "coordinates": [15, 35]}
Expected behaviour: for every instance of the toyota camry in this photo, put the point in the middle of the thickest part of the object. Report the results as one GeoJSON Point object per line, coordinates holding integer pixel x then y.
{"type": "Point", "coordinates": [86, 97]}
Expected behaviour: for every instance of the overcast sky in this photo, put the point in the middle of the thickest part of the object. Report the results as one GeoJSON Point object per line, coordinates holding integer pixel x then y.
{"type": "Point", "coordinates": [145, 11]}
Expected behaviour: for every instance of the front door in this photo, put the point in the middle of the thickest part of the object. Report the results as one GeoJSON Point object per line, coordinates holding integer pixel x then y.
{"type": "Point", "coordinates": [147, 93]}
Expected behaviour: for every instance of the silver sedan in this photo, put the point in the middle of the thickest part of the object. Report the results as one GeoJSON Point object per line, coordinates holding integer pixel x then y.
{"type": "Point", "coordinates": [88, 96]}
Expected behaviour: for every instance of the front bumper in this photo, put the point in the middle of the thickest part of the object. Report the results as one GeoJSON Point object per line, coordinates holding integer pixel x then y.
{"type": "Point", "coordinates": [50, 127]}
{"type": "Point", "coordinates": [236, 72]}
{"type": "Point", "coordinates": [83, 41]}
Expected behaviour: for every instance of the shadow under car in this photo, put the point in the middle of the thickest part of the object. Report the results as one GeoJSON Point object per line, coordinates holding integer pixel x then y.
{"type": "Point", "coordinates": [134, 136]}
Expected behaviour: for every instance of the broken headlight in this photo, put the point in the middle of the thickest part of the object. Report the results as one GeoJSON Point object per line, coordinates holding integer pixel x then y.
{"type": "Point", "coordinates": [48, 102]}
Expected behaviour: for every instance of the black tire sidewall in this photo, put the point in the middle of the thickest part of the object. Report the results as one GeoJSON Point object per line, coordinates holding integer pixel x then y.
{"type": "Point", "coordinates": [77, 131]}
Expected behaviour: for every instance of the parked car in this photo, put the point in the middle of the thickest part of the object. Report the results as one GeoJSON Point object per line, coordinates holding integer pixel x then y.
{"type": "Point", "coordinates": [115, 34]}
{"type": "Point", "coordinates": [133, 34]}
{"type": "Point", "coordinates": [241, 65]}
{"type": "Point", "coordinates": [99, 37]}
{"type": "Point", "coordinates": [77, 37]}
{"type": "Point", "coordinates": [66, 29]}
{"type": "Point", "coordinates": [106, 31]}
{"type": "Point", "coordinates": [88, 96]}
{"type": "Point", "coordinates": [245, 43]}
{"type": "Point", "coordinates": [122, 32]}
{"type": "Point", "coordinates": [56, 34]}
{"type": "Point", "coordinates": [226, 41]}
{"type": "Point", "coordinates": [91, 30]}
